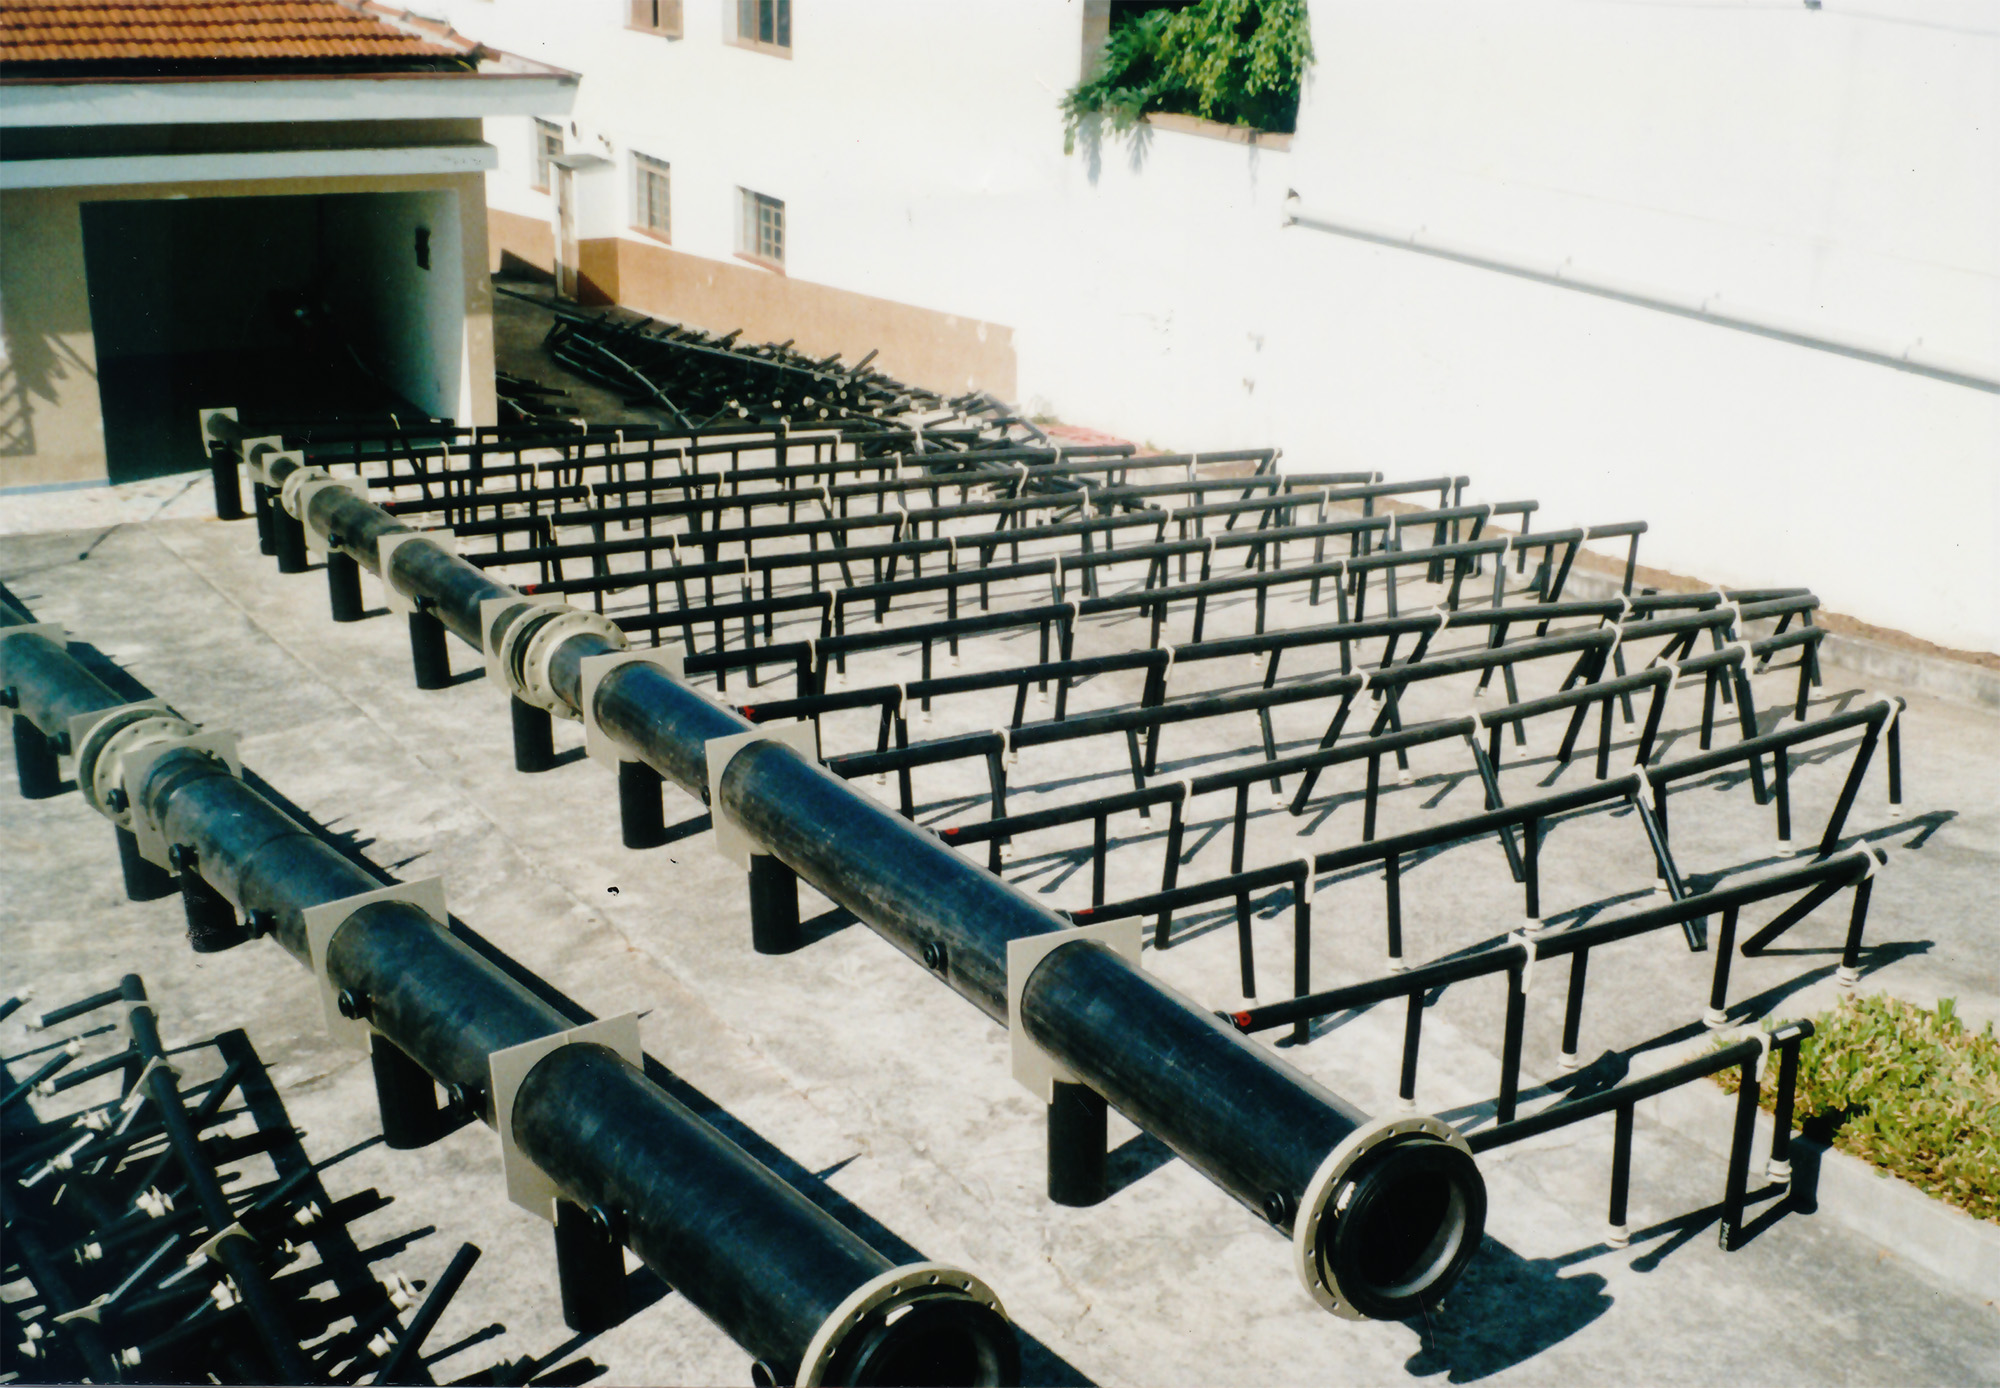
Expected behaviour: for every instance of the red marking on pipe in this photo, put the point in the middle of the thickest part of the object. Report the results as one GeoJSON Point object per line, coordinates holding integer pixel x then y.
{"type": "Point", "coordinates": [1242, 1020]}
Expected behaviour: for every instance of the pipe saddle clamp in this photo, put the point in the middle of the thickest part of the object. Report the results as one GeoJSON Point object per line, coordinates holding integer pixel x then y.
{"type": "Point", "coordinates": [529, 640]}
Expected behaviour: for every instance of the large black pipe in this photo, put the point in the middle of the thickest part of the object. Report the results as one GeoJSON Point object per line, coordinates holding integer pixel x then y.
{"type": "Point", "coordinates": [768, 1266]}
{"type": "Point", "coordinates": [1425, 1203]}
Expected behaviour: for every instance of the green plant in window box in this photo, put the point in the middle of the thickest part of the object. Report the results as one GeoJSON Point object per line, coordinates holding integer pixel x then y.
{"type": "Point", "coordinates": [1239, 62]}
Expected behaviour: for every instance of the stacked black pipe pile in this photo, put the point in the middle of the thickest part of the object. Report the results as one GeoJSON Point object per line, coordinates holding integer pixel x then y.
{"type": "Point", "coordinates": [169, 1227]}
{"type": "Point", "coordinates": [700, 379]}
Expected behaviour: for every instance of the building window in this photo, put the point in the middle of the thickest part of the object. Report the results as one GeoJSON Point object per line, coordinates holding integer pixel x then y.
{"type": "Point", "coordinates": [548, 145]}
{"type": "Point", "coordinates": [652, 204]}
{"type": "Point", "coordinates": [662, 17]}
{"type": "Point", "coordinates": [761, 229]}
{"type": "Point", "coordinates": [765, 25]}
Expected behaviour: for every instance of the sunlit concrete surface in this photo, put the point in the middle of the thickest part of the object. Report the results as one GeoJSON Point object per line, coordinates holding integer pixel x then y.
{"type": "Point", "coordinates": [889, 1101]}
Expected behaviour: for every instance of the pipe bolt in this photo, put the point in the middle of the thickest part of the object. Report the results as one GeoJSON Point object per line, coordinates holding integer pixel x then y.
{"type": "Point", "coordinates": [10, 697]}
{"type": "Point", "coordinates": [182, 857]}
{"type": "Point", "coordinates": [261, 922]}
{"type": "Point", "coordinates": [59, 742]}
{"type": "Point", "coordinates": [353, 1005]}
{"type": "Point", "coordinates": [936, 957]}
{"type": "Point", "coordinates": [1278, 1208]}
{"type": "Point", "coordinates": [117, 800]}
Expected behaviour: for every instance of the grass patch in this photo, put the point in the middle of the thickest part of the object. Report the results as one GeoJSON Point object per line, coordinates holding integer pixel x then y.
{"type": "Point", "coordinates": [1907, 1088]}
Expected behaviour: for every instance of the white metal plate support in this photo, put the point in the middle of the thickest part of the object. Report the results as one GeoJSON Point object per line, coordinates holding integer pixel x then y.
{"type": "Point", "coordinates": [323, 921]}
{"type": "Point", "coordinates": [136, 765]}
{"type": "Point", "coordinates": [1034, 1067]}
{"type": "Point", "coordinates": [730, 839]}
{"type": "Point", "coordinates": [527, 1185]}
{"type": "Point", "coordinates": [385, 555]}
{"type": "Point", "coordinates": [592, 669]}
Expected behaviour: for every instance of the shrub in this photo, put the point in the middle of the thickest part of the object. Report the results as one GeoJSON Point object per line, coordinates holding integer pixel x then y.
{"type": "Point", "coordinates": [1235, 61]}
{"type": "Point", "coordinates": [1909, 1089]}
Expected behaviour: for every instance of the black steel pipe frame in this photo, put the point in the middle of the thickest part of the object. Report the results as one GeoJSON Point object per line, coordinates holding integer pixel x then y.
{"type": "Point", "coordinates": [1295, 1153]}
{"type": "Point", "coordinates": [771, 1269]}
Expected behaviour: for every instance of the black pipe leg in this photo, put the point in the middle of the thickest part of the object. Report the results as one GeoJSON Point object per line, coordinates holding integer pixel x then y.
{"type": "Point", "coordinates": [642, 818]}
{"type": "Point", "coordinates": [1077, 1165]}
{"type": "Point", "coordinates": [144, 881]}
{"type": "Point", "coordinates": [260, 504]}
{"type": "Point", "coordinates": [211, 920]}
{"type": "Point", "coordinates": [288, 537]}
{"type": "Point", "coordinates": [228, 487]}
{"type": "Point", "coordinates": [406, 1095]}
{"type": "Point", "coordinates": [430, 659]}
{"type": "Point", "coordinates": [35, 761]}
{"type": "Point", "coordinates": [343, 586]}
{"type": "Point", "coordinates": [534, 735]}
{"type": "Point", "coordinates": [590, 1266]}
{"type": "Point", "coordinates": [774, 906]}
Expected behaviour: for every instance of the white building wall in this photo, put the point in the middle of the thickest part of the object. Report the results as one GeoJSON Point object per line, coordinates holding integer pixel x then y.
{"type": "Point", "coordinates": [1834, 166]}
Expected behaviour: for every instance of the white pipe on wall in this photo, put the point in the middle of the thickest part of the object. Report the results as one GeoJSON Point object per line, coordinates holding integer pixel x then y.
{"type": "Point", "coordinates": [1912, 357]}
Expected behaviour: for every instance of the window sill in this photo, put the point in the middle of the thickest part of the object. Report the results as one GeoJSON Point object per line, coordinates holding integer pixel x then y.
{"type": "Point", "coordinates": [776, 267]}
{"type": "Point", "coordinates": [1216, 130]}
{"type": "Point", "coordinates": [759, 46]}
{"type": "Point", "coordinates": [651, 235]}
{"type": "Point", "coordinates": [653, 33]}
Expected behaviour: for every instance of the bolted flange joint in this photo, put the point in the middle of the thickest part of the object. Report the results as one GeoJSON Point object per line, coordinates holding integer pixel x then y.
{"type": "Point", "coordinates": [530, 642]}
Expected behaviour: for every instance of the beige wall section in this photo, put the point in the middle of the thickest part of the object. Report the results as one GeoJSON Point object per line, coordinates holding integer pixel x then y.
{"type": "Point", "coordinates": [939, 351]}
{"type": "Point", "coordinates": [51, 425]}
{"type": "Point", "coordinates": [515, 241]}
{"type": "Point", "coordinates": [50, 428]}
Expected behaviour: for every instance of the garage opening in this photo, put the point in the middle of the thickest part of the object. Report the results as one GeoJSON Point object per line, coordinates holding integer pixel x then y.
{"type": "Point", "coordinates": [293, 305]}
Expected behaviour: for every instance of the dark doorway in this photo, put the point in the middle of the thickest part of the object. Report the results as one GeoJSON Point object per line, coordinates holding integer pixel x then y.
{"type": "Point", "coordinates": [301, 306]}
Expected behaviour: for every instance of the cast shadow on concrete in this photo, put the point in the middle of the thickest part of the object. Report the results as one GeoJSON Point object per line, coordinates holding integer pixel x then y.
{"type": "Point", "coordinates": [1504, 1311]}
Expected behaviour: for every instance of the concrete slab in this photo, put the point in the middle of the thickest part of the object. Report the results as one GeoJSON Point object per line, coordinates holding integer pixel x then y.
{"type": "Point", "coordinates": [889, 1100]}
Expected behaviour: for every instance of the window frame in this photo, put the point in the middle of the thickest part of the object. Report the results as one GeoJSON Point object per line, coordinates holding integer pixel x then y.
{"type": "Point", "coordinates": [542, 157]}
{"type": "Point", "coordinates": [642, 166]}
{"type": "Point", "coordinates": [779, 45]}
{"type": "Point", "coordinates": [750, 228]}
{"type": "Point", "coordinates": [660, 18]}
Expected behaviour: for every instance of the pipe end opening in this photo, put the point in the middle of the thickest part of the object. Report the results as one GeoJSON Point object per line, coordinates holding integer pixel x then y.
{"type": "Point", "coordinates": [1392, 1221]}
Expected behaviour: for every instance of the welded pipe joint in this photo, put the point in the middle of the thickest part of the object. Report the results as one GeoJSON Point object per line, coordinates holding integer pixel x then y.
{"type": "Point", "coordinates": [401, 603]}
{"type": "Point", "coordinates": [1034, 1067]}
{"type": "Point", "coordinates": [1328, 1196]}
{"type": "Point", "coordinates": [101, 737]}
{"type": "Point", "coordinates": [732, 841]}
{"type": "Point", "coordinates": [323, 922]}
{"type": "Point", "coordinates": [598, 745]}
{"type": "Point", "coordinates": [883, 1296]}
{"type": "Point", "coordinates": [527, 1184]}
{"type": "Point", "coordinates": [135, 764]}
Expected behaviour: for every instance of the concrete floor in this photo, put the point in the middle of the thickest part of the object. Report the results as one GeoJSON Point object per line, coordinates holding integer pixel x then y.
{"type": "Point", "coordinates": [888, 1099]}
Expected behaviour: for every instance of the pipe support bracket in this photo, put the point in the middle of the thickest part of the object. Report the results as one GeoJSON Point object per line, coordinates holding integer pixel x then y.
{"type": "Point", "coordinates": [323, 922]}
{"type": "Point", "coordinates": [731, 839]}
{"type": "Point", "coordinates": [1034, 1067]}
{"type": "Point", "coordinates": [527, 1185]}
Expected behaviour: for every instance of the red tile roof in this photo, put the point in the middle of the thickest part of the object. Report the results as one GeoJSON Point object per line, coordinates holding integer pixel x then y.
{"type": "Point", "coordinates": [186, 36]}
